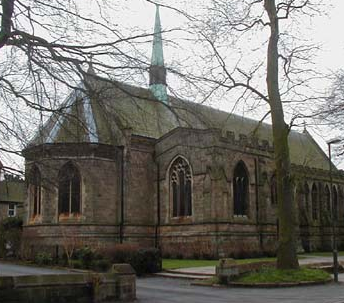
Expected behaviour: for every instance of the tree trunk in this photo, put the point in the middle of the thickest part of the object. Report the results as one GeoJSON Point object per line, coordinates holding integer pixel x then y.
{"type": "Point", "coordinates": [6, 20]}
{"type": "Point", "coordinates": [286, 253]}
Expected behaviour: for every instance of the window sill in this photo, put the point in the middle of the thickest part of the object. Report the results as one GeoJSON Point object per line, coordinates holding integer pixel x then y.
{"type": "Point", "coordinates": [183, 219]}
{"type": "Point", "coordinates": [240, 218]}
{"type": "Point", "coordinates": [75, 217]}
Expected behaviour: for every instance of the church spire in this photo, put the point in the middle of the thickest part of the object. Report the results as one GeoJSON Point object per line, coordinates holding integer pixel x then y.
{"type": "Point", "coordinates": [157, 70]}
{"type": "Point", "coordinates": [90, 70]}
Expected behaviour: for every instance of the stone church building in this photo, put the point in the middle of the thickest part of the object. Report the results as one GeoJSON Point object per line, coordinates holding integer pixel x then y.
{"type": "Point", "coordinates": [124, 164]}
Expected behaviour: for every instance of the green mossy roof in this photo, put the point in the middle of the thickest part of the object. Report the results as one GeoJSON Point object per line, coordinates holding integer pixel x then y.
{"type": "Point", "coordinates": [118, 106]}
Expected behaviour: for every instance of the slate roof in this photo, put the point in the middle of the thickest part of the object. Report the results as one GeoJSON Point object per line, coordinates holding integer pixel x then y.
{"type": "Point", "coordinates": [12, 191]}
{"type": "Point", "coordinates": [115, 107]}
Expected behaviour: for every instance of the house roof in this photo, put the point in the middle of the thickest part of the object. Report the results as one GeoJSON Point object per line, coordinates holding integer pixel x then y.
{"type": "Point", "coordinates": [104, 115]}
{"type": "Point", "coordinates": [12, 191]}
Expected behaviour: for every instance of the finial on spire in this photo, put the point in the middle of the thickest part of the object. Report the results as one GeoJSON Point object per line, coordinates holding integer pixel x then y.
{"type": "Point", "coordinates": [157, 71]}
{"type": "Point", "coordinates": [90, 69]}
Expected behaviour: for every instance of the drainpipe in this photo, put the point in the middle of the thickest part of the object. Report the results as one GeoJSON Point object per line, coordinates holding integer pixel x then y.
{"type": "Point", "coordinates": [157, 225]}
{"type": "Point", "coordinates": [122, 195]}
{"type": "Point", "coordinates": [257, 200]}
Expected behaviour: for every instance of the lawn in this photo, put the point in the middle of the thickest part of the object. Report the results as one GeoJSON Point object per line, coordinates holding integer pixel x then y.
{"type": "Point", "coordinates": [272, 275]}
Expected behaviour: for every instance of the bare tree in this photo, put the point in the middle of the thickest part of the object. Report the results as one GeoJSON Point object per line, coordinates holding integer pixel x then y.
{"type": "Point", "coordinates": [288, 71]}
{"type": "Point", "coordinates": [44, 46]}
{"type": "Point", "coordinates": [286, 255]}
{"type": "Point", "coordinates": [331, 110]}
{"type": "Point", "coordinates": [45, 49]}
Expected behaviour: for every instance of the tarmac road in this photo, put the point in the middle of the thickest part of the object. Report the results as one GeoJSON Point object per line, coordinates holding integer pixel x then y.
{"type": "Point", "coordinates": [163, 290]}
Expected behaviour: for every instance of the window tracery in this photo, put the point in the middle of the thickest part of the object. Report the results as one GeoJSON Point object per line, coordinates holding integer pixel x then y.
{"type": "Point", "coordinates": [181, 188]}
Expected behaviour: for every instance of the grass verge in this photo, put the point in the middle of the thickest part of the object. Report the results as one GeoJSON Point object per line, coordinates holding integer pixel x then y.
{"type": "Point", "coordinates": [184, 263]}
{"type": "Point", "coordinates": [272, 275]}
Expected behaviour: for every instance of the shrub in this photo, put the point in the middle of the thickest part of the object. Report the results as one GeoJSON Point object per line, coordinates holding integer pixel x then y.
{"type": "Point", "coordinates": [43, 258]}
{"type": "Point", "coordinates": [10, 236]}
{"type": "Point", "coordinates": [87, 258]}
{"type": "Point", "coordinates": [101, 265]}
{"type": "Point", "coordinates": [148, 261]}
{"type": "Point", "coordinates": [76, 264]}
{"type": "Point", "coordinates": [86, 255]}
{"type": "Point", "coordinates": [12, 222]}
{"type": "Point", "coordinates": [143, 260]}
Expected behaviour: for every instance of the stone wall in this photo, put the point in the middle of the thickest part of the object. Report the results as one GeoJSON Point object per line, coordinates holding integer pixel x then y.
{"type": "Point", "coordinates": [213, 227]}
{"type": "Point", "coordinates": [144, 190]}
{"type": "Point", "coordinates": [69, 288]}
{"type": "Point", "coordinates": [55, 238]}
{"type": "Point", "coordinates": [99, 180]}
{"type": "Point", "coordinates": [209, 240]}
{"type": "Point", "coordinates": [139, 176]}
{"type": "Point", "coordinates": [212, 162]}
{"type": "Point", "coordinates": [100, 196]}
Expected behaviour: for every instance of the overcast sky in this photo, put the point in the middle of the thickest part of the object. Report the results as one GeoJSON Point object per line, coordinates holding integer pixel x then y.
{"type": "Point", "coordinates": [325, 30]}
{"type": "Point", "coordinates": [328, 28]}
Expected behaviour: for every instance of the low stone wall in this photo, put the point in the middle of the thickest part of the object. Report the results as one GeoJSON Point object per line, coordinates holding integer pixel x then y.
{"type": "Point", "coordinates": [228, 268]}
{"type": "Point", "coordinates": [70, 288]}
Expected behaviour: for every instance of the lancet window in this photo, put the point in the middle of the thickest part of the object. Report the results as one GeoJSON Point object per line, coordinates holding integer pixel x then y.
{"type": "Point", "coordinates": [69, 190]}
{"type": "Point", "coordinates": [35, 192]}
{"type": "Point", "coordinates": [181, 188]}
{"type": "Point", "coordinates": [240, 189]}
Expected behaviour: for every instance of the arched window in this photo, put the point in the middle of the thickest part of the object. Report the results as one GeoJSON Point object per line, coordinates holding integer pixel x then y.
{"type": "Point", "coordinates": [35, 189]}
{"type": "Point", "coordinates": [273, 189]}
{"type": "Point", "coordinates": [181, 188]}
{"type": "Point", "coordinates": [314, 202]}
{"type": "Point", "coordinates": [328, 199]}
{"type": "Point", "coordinates": [307, 197]}
{"type": "Point", "coordinates": [69, 190]}
{"type": "Point", "coordinates": [240, 189]}
{"type": "Point", "coordinates": [335, 202]}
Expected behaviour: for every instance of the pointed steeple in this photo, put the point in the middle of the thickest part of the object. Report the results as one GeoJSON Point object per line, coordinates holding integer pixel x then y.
{"type": "Point", "coordinates": [157, 71]}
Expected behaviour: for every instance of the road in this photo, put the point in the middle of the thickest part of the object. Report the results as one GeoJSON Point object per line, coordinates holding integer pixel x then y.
{"type": "Point", "coordinates": [8, 269]}
{"type": "Point", "coordinates": [163, 290]}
